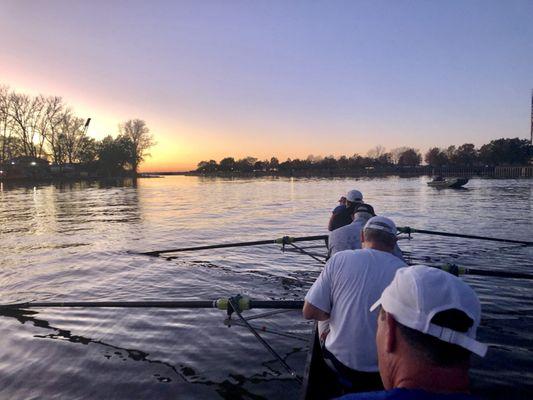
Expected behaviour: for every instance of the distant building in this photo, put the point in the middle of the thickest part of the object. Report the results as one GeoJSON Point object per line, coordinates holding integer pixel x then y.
{"type": "Point", "coordinates": [25, 167]}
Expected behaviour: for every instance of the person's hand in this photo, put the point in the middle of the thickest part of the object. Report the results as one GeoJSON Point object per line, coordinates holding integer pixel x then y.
{"type": "Point", "coordinates": [324, 335]}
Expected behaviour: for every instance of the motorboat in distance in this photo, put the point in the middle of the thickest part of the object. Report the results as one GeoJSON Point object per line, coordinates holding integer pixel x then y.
{"type": "Point", "coordinates": [441, 183]}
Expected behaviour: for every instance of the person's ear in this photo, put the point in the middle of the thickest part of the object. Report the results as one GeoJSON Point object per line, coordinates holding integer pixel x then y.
{"type": "Point", "coordinates": [390, 333]}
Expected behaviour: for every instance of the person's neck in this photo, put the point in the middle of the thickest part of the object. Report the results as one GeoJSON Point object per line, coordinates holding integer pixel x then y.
{"type": "Point", "coordinates": [433, 379]}
{"type": "Point", "coordinates": [376, 246]}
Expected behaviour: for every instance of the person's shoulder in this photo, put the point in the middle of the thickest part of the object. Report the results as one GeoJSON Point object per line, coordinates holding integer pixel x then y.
{"type": "Point", "coordinates": [387, 257]}
{"type": "Point", "coordinates": [347, 259]}
{"type": "Point", "coordinates": [366, 396]}
{"type": "Point", "coordinates": [407, 394]}
{"type": "Point", "coordinates": [340, 208]}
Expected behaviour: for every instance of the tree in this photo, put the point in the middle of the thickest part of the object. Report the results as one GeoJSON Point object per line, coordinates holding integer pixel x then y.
{"type": "Point", "coordinates": [138, 133]}
{"type": "Point", "coordinates": [409, 157]}
{"type": "Point", "coordinates": [260, 165]}
{"type": "Point", "coordinates": [5, 124]}
{"type": "Point", "coordinates": [207, 166]}
{"type": "Point", "coordinates": [114, 154]}
{"type": "Point", "coordinates": [436, 157]}
{"type": "Point", "coordinates": [451, 153]}
{"type": "Point", "coordinates": [397, 152]}
{"type": "Point", "coordinates": [227, 164]}
{"type": "Point", "coordinates": [246, 164]}
{"type": "Point", "coordinates": [55, 112]}
{"type": "Point", "coordinates": [506, 151]}
{"type": "Point", "coordinates": [466, 154]}
{"type": "Point", "coordinates": [24, 113]}
{"type": "Point", "coordinates": [71, 135]}
{"type": "Point", "coordinates": [274, 163]}
{"type": "Point", "coordinates": [329, 163]}
{"type": "Point", "coordinates": [376, 152]}
{"type": "Point", "coordinates": [87, 150]}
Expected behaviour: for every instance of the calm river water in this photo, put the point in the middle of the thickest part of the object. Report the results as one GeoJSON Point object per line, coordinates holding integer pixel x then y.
{"type": "Point", "coordinates": [77, 242]}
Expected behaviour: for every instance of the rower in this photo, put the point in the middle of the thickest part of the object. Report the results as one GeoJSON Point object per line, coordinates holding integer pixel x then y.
{"type": "Point", "coordinates": [349, 237]}
{"type": "Point", "coordinates": [426, 334]}
{"type": "Point", "coordinates": [342, 214]}
{"type": "Point", "coordinates": [349, 283]}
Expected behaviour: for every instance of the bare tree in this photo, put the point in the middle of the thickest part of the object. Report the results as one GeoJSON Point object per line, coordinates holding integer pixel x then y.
{"type": "Point", "coordinates": [376, 152]}
{"type": "Point", "coordinates": [54, 111]}
{"type": "Point", "coordinates": [138, 133]}
{"type": "Point", "coordinates": [5, 123]}
{"type": "Point", "coordinates": [397, 152]}
{"type": "Point", "coordinates": [25, 113]}
{"type": "Point", "coordinates": [70, 136]}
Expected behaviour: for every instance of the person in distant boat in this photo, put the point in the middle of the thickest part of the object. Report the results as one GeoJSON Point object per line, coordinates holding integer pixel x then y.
{"type": "Point", "coordinates": [342, 214]}
{"type": "Point", "coordinates": [348, 237]}
{"type": "Point", "coordinates": [349, 284]}
{"type": "Point", "coordinates": [426, 334]}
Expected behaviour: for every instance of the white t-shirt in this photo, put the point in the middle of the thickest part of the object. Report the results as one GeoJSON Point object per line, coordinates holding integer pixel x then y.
{"type": "Point", "coordinates": [349, 284]}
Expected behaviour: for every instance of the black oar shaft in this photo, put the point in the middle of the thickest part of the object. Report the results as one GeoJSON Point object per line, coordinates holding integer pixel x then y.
{"type": "Point", "coordinates": [461, 235]}
{"type": "Point", "coordinates": [266, 304]}
{"type": "Point", "coordinates": [109, 304]}
{"type": "Point", "coordinates": [285, 304]}
{"type": "Point", "coordinates": [458, 270]}
{"type": "Point", "coordinates": [209, 247]}
{"type": "Point", "coordinates": [499, 274]}
{"type": "Point", "coordinates": [285, 239]}
{"type": "Point", "coordinates": [235, 307]}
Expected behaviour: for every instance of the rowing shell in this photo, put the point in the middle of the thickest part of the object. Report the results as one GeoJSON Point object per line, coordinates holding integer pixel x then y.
{"type": "Point", "coordinates": [319, 380]}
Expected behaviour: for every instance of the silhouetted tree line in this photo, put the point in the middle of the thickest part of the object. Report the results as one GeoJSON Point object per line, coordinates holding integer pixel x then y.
{"type": "Point", "coordinates": [45, 128]}
{"type": "Point", "coordinates": [498, 152]}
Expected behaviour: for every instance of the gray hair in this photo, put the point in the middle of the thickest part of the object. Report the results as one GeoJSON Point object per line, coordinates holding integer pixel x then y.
{"type": "Point", "coordinates": [379, 237]}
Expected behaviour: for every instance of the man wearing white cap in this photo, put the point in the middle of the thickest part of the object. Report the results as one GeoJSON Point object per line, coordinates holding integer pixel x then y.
{"type": "Point", "coordinates": [342, 214]}
{"type": "Point", "coordinates": [426, 333]}
{"type": "Point", "coordinates": [348, 237]}
{"type": "Point", "coordinates": [349, 284]}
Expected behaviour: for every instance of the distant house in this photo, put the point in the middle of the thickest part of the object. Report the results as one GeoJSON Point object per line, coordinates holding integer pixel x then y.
{"type": "Point", "coordinates": [25, 167]}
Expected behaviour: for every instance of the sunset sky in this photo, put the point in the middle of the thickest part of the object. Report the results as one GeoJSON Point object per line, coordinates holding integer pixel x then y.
{"type": "Point", "coordinates": [222, 78]}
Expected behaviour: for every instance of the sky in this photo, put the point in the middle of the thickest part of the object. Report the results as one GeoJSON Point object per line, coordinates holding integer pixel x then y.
{"type": "Point", "coordinates": [217, 78]}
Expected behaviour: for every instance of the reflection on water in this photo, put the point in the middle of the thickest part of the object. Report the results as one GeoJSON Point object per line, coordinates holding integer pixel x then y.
{"type": "Point", "coordinates": [77, 241]}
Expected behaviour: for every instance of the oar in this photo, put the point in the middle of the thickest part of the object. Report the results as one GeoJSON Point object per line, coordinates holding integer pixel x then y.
{"type": "Point", "coordinates": [283, 240]}
{"type": "Point", "coordinates": [410, 230]}
{"type": "Point", "coordinates": [457, 270]}
{"type": "Point", "coordinates": [234, 303]}
{"type": "Point", "coordinates": [221, 304]}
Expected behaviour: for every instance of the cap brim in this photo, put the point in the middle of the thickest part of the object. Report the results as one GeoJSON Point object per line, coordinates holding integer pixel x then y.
{"type": "Point", "coordinates": [375, 305]}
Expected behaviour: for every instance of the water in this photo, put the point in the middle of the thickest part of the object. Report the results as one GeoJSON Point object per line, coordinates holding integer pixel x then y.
{"type": "Point", "coordinates": [77, 242]}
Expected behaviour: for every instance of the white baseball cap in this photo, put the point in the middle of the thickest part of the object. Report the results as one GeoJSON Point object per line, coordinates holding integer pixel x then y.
{"type": "Point", "coordinates": [354, 195]}
{"type": "Point", "coordinates": [382, 224]}
{"type": "Point", "coordinates": [419, 292]}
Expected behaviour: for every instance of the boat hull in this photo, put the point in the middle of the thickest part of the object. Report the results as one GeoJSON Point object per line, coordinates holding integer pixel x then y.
{"type": "Point", "coordinates": [449, 183]}
{"type": "Point", "coordinates": [319, 381]}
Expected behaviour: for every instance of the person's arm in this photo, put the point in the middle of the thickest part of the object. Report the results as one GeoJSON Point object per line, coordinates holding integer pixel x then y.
{"type": "Point", "coordinates": [330, 223]}
{"type": "Point", "coordinates": [336, 211]}
{"type": "Point", "coordinates": [317, 303]}
{"type": "Point", "coordinates": [312, 312]}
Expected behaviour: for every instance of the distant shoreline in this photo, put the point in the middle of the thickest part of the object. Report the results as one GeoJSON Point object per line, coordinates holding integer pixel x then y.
{"type": "Point", "coordinates": [504, 172]}
{"type": "Point", "coordinates": [524, 171]}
